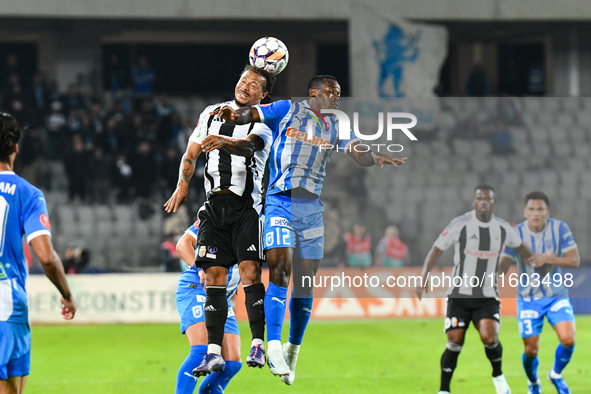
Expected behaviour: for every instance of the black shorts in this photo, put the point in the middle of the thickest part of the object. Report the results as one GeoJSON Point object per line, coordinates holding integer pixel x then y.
{"type": "Point", "coordinates": [230, 231]}
{"type": "Point", "coordinates": [462, 311]}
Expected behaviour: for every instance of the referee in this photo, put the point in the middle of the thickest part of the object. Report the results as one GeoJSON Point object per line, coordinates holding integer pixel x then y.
{"type": "Point", "coordinates": [478, 237]}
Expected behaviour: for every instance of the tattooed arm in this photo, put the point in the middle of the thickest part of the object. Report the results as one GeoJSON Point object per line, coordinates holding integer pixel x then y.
{"type": "Point", "coordinates": [245, 147]}
{"type": "Point", "coordinates": [186, 170]}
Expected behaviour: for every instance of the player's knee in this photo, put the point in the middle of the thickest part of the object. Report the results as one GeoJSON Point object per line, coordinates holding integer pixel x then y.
{"type": "Point", "coordinates": [278, 276]}
{"type": "Point", "coordinates": [250, 272]}
{"type": "Point", "coordinates": [454, 347]}
{"type": "Point", "coordinates": [569, 341]}
{"type": "Point", "coordinates": [531, 352]}
{"type": "Point", "coordinates": [489, 340]}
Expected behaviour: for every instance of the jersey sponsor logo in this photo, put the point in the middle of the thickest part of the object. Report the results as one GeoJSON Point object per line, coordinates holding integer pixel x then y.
{"type": "Point", "coordinates": [281, 222]}
{"type": "Point", "coordinates": [481, 254]}
{"type": "Point", "coordinates": [559, 305]}
{"type": "Point", "coordinates": [8, 188]}
{"type": "Point", "coordinates": [301, 136]}
{"type": "Point", "coordinates": [202, 251]}
{"type": "Point", "coordinates": [45, 221]}
{"type": "Point", "coordinates": [529, 314]}
{"type": "Point", "coordinates": [200, 298]}
{"type": "Point", "coordinates": [269, 239]}
{"type": "Point", "coordinates": [196, 224]}
{"type": "Point", "coordinates": [314, 233]}
{"type": "Point", "coordinates": [445, 232]}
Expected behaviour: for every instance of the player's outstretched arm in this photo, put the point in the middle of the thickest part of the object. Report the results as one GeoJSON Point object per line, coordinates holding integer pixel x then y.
{"type": "Point", "coordinates": [242, 115]}
{"type": "Point", "coordinates": [185, 247]}
{"type": "Point", "coordinates": [243, 147]}
{"type": "Point", "coordinates": [430, 261]}
{"type": "Point", "coordinates": [186, 170]}
{"type": "Point", "coordinates": [370, 158]}
{"type": "Point", "coordinates": [570, 259]}
{"type": "Point", "coordinates": [54, 270]}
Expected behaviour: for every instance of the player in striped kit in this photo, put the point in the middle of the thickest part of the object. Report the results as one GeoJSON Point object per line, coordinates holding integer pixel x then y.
{"type": "Point", "coordinates": [294, 230]}
{"type": "Point", "coordinates": [230, 220]}
{"type": "Point", "coordinates": [478, 237]}
{"type": "Point", "coordinates": [190, 301]}
{"type": "Point", "coordinates": [545, 294]}
{"type": "Point", "coordinates": [23, 213]}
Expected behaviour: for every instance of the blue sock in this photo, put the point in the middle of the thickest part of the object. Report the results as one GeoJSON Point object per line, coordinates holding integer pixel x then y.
{"type": "Point", "coordinates": [300, 309]}
{"type": "Point", "coordinates": [530, 365]}
{"type": "Point", "coordinates": [185, 381]}
{"type": "Point", "coordinates": [562, 357]}
{"type": "Point", "coordinates": [275, 298]}
{"type": "Point", "coordinates": [215, 383]}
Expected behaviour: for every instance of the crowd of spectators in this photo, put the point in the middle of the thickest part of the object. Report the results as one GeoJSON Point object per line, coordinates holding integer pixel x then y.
{"type": "Point", "coordinates": [119, 144]}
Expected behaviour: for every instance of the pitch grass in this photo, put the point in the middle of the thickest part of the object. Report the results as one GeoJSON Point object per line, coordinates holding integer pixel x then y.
{"type": "Point", "coordinates": [366, 356]}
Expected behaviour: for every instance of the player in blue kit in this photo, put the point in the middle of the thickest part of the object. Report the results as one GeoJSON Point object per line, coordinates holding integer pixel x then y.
{"type": "Point", "coordinates": [190, 301]}
{"type": "Point", "coordinates": [303, 142]}
{"type": "Point", "coordinates": [545, 294]}
{"type": "Point", "coordinates": [23, 213]}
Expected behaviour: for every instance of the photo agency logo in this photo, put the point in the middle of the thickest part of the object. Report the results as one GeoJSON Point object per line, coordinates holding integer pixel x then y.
{"type": "Point", "coordinates": [394, 122]}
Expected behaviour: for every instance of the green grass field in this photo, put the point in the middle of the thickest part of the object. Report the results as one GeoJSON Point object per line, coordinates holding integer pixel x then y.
{"type": "Point", "coordinates": [368, 356]}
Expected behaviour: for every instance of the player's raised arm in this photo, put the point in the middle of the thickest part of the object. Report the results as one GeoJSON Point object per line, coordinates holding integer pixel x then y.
{"type": "Point", "coordinates": [243, 147]}
{"type": "Point", "coordinates": [54, 270]}
{"type": "Point", "coordinates": [430, 261]}
{"type": "Point", "coordinates": [242, 115]}
{"type": "Point", "coordinates": [185, 247]}
{"type": "Point", "coordinates": [370, 158]}
{"type": "Point", "coordinates": [186, 170]}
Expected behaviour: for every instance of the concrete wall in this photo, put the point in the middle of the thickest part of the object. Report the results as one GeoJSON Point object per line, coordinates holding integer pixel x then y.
{"type": "Point", "coordinates": [301, 9]}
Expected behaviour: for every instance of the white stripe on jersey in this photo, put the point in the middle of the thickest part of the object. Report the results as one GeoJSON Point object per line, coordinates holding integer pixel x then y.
{"type": "Point", "coordinates": [226, 171]}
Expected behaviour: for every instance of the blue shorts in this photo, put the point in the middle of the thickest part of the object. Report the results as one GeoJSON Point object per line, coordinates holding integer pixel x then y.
{"type": "Point", "coordinates": [531, 312]}
{"type": "Point", "coordinates": [15, 350]}
{"type": "Point", "coordinates": [190, 300]}
{"type": "Point", "coordinates": [295, 222]}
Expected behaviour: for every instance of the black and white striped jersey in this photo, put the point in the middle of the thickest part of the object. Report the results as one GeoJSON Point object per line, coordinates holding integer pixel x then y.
{"type": "Point", "coordinates": [477, 249]}
{"type": "Point", "coordinates": [243, 176]}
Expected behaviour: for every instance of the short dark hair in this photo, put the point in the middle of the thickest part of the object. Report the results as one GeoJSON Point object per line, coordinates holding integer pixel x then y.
{"type": "Point", "coordinates": [537, 195]}
{"type": "Point", "coordinates": [10, 134]}
{"type": "Point", "coordinates": [318, 81]}
{"type": "Point", "coordinates": [269, 80]}
{"type": "Point", "coordinates": [485, 186]}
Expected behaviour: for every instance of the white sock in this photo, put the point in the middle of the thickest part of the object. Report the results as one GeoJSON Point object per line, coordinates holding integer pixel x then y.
{"type": "Point", "coordinates": [274, 345]}
{"type": "Point", "coordinates": [259, 342]}
{"type": "Point", "coordinates": [555, 375]}
{"type": "Point", "coordinates": [291, 348]}
{"type": "Point", "coordinates": [215, 349]}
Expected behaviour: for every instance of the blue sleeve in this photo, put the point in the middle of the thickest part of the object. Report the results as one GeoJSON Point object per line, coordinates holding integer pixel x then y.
{"type": "Point", "coordinates": [509, 251]}
{"type": "Point", "coordinates": [271, 114]}
{"type": "Point", "coordinates": [567, 242]}
{"type": "Point", "coordinates": [194, 228]}
{"type": "Point", "coordinates": [34, 216]}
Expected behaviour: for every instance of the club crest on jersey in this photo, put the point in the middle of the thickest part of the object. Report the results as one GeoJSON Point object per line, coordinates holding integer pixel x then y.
{"type": "Point", "coordinates": [269, 239]}
{"type": "Point", "coordinates": [202, 251]}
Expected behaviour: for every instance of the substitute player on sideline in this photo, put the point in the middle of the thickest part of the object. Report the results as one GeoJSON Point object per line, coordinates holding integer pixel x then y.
{"type": "Point", "coordinates": [230, 224]}
{"type": "Point", "coordinates": [23, 212]}
{"type": "Point", "coordinates": [190, 301]}
{"type": "Point", "coordinates": [478, 237]}
{"type": "Point", "coordinates": [294, 231]}
{"type": "Point", "coordinates": [554, 246]}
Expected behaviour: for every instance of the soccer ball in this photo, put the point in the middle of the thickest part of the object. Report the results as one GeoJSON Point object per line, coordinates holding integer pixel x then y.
{"type": "Point", "coordinates": [270, 54]}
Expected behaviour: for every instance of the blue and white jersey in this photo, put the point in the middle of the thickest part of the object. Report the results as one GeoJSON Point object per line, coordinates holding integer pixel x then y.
{"type": "Point", "coordinates": [233, 273]}
{"type": "Point", "coordinates": [297, 160]}
{"type": "Point", "coordinates": [555, 239]}
{"type": "Point", "coordinates": [23, 212]}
